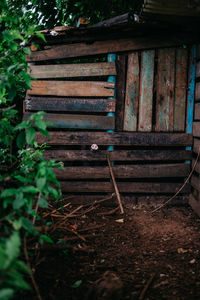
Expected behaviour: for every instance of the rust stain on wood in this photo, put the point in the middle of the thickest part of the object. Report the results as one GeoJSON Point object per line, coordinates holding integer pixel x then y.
{"type": "Point", "coordinates": [72, 88]}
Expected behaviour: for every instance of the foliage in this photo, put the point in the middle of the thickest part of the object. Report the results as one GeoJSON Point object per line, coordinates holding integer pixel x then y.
{"type": "Point", "coordinates": [27, 180]}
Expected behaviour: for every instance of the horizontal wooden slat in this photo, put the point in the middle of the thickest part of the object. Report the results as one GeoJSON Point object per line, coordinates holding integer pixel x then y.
{"type": "Point", "coordinates": [127, 171]}
{"type": "Point", "coordinates": [78, 121]}
{"type": "Point", "coordinates": [196, 129]}
{"type": "Point", "coordinates": [72, 88]}
{"type": "Point", "coordinates": [196, 145]}
{"type": "Point", "coordinates": [124, 187]}
{"type": "Point", "coordinates": [70, 104]}
{"type": "Point", "coordinates": [110, 46]}
{"type": "Point", "coordinates": [195, 182]}
{"type": "Point", "coordinates": [197, 112]}
{"type": "Point", "coordinates": [118, 155]}
{"type": "Point", "coordinates": [73, 70]}
{"type": "Point", "coordinates": [117, 138]}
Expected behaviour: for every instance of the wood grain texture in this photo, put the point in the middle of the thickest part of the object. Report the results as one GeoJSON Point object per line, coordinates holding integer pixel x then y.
{"type": "Point", "coordinates": [69, 104]}
{"type": "Point", "coordinates": [196, 129]}
{"type": "Point", "coordinates": [196, 145]}
{"type": "Point", "coordinates": [125, 171]}
{"type": "Point", "coordinates": [146, 90]}
{"type": "Point", "coordinates": [124, 187]}
{"type": "Point", "coordinates": [117, 138]}
{"type": "Point", "coordinates": [195, 182]}
{"type": "Point", "coordinates": [165, 90]}
{"type": "Point", "coordinates": [180, 89]}
{"type": "Point", "coordinates": [111, 46]}
{"type": "Point", "coordinates": [72, 88]}
{"type": "Point", "coordinates": [197, 112]}
{"type": "Point", "coordinates": [197, 91]}
{"type": "Point", "coordinates": [195, 204]}
{"type": "Point", "coordinates": [72, 70]}
{"type": "Point", "coordinates": [132, 93]}
{"type": "Point", "coordinates": [119, 155]}
{"type": "Point", "coordinates": [120, 91]}
{"type": "Point", "coordinates": [78, 121]}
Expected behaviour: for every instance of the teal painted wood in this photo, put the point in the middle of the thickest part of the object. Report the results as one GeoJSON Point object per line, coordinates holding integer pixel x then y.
{"type": "Point", "coordinates": [191, 90]}
{"type": "Point", "coordinates": [132, 93]}
{"type": "Point", "coordinates": [111, 58]}
{"type": "Point", "coordinates": [191, 93]}
{"type": "Point", "coordinates": [146, 91]}
{"type": "Point", "coordinates": [69, 121]}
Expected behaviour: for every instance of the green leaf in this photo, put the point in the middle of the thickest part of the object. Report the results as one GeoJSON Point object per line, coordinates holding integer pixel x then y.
{"type": "Point", "coordinates": [6, 293]}
{"type": "Point", "coordinates": [19, 200]}
{"type": "Point", "coordinates": [27, 51]}
{"type": "Point", "coordinates": [27, 224]}
{"type": "Point", "coordinates": [41, 124]}
{"type": "Point", "coordinates": [42, 203]}
{"type": "Point", "coordinates": [17, 224]}
{"type": "Point", "coordinates": [40, 35]}
{"type": "Point", "coordinates": [21, 140]}
{"type": "Point", "coordinates": [8, 193]}
{"type": "Point", "coordinates": [29, 189]}
{"type": "Point", "coordinates": [30, 136]}
{"type": "Point", "coordinates": [23, 125]}
{"type": "Point", "coordinates": [22, 267]}
{"type": "Point", "coordinates": [12, 247]}
{"type": "Point", "coordinates": [77, 284]}
{"type": "Point", "coordinates": [53, 192]}
{"type": "Point", "coordinates": [3, 258]}
{"type": "Point", "coordinates": [40, 182]}
{"type": "Point", "coordinates": [46, 239]}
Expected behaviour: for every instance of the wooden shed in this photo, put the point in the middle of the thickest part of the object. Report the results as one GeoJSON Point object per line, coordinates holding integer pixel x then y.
{"type": "Point", "coordinates": [130, 89]}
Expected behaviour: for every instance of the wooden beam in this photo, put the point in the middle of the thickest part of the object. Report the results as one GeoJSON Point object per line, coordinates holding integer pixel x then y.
{"type": "Point", "coordinates": [132, 93]}
{"type": "Point", "coordinates": [143, 42]}
{"type": "Point", "coordinates": [180, 89]}
{"type": "Point", "coordinates": [119, 155]}
{"type": "Point", "coordinates": [73, 70]}
{"type": "Point", "coordinates": [146, 91]}
{"type": "Point", "coordinates": [78, 121]}
{"type": "Point", "coordinates": [197, 91]}
{"type": "Point", "coordinates": [117, 138]}
{"type": "Point", "coordinates": [196, 145]}
{"type": "Point", "coordinates": [124, 187]}
{"type": "Point", "coordinates": [196, 129]}
{"type": "Point", "coordinates": [35, 103]}
{"type": "Point", "coordinates": [125, 171]}
{"type": "Point", "coordinates": [197, 112]}
{"type": "Point", "coordinates": [120, 91]}
{"type": "Point", "coordinates": [72, 88]}
{"type": "Point", "coordinates": [165, 90]}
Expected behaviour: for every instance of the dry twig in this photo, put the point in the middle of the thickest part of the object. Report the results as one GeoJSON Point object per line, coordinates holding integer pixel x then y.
{"type": "Point", "coordinates": [146, 287]}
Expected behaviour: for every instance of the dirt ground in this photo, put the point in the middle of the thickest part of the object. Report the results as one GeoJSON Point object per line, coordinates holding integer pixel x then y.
{"type": "Point", "coordinates": [132, 256]}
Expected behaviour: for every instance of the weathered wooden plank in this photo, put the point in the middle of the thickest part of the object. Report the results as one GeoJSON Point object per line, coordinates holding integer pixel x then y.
{"type": "Point", "coordinates": [132, 93]}
{"type": "Point", "coordinates": [117, 138]}
{"type": "Point", "coordinates": [146, 90]}
{"type": "Point", "coordinates": [196, 145]}
{"type": "Point", "coordinates": [124, 187]}
{"type": "Point", "coordinates": [120, 91]}
{"type": "Point", "coordinates": [78, 121]}
{"type": "Point", "coordinates": [198, 69]}
{"type": "Point", "coordinates": [195, 204]}
{"type": "Point", "coordinates": [72, 88]}
{"type": "Point", "coordinates": [73, 70]}
{"type": "Point", "coordinates": [197, 111]}
{"type": "Point", "coordinates": [196, 129]}
{"type": "Point", "coordinates": [197, 91]}
{"type": "Point", "coordinates": [118, 155]}
{"type": "Point", "coordinates": [69, 104]}
{"type": "Point", "coordinates": [197, 168]}
{"type": "Point", "coordinates": [112, 46]}
{"type": "Point", "coordinates": [180, 89]}
{"type": "Point", "coordinates": [125, 171]}
{"type": "Point", "coordinates": [195, 183]}
{"type": "Point", "coordinates": [165, 90]}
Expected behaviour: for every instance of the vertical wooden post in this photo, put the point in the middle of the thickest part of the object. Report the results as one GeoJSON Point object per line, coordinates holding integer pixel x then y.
{"type": "Point", "coordinates": [111, 58]}
{"type": "Point", "coordinates": [191, 92]}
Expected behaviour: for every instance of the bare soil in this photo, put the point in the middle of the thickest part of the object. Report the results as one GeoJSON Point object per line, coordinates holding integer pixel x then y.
{"type": "Point", "coordinates": [134, 247]}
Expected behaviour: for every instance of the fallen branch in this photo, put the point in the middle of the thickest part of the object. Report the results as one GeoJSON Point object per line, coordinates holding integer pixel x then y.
{"type": "Point", "coordinates": [55, 210]}
{"type": "Point", "coordinates": [181, 188]}
{"type": "Point", "coordinates": [107, 213]}
{"type": "Point", "coordinates": [146, 287]}
{"type": "Point", "coordinates": [114, 183]}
